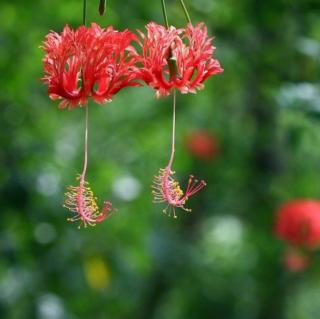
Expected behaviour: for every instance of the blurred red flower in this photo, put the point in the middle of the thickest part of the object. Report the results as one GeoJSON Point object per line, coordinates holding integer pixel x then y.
{"type": "Point", "coordinates": [298, 223]}
{"type": "Point", "coordinates": [295, 261]}
{"type": "Point", "coordinates": [88, 61]}
{"type": "Point", "coordinates": [177, 58]}
{"type": "Point", "coordinates": [202, 144]}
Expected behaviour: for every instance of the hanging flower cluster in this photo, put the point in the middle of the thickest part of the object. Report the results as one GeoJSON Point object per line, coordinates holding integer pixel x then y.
{"type": "Point", "coordinates": [88, 62]}
{"type": "Point", "coordinates": [95, 62]}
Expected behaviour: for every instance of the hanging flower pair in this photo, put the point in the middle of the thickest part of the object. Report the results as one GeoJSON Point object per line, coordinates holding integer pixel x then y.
{"type": "Point", "coordinates": [93, 62]}
{"type": "Point", "coordinates": [98, 63]}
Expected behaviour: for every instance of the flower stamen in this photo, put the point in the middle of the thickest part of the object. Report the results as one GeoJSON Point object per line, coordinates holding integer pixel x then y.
{"type": "Point", "coordinates": [167, 190]}
{"type": "Point", "coordinates": [81, 201]}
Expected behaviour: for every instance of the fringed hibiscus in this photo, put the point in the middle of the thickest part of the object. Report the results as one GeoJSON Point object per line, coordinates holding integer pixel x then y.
{"type": "Point", "coordinates": [79, 64]}
{"type": "Point", "coordinates": [298, 223]}
{"type": "Point", "coordinates": [176, 58]}
{"type": "Point", "coordinates": [88, 62]}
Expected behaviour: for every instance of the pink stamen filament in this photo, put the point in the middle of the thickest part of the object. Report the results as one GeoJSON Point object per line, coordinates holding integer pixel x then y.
{"type": "Point", "coordinates": [194, 186]}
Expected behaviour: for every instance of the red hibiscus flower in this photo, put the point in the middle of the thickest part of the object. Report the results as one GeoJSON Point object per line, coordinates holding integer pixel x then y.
{"type": "Point", "coordinates": [177, 58]}
{"type": "Point", "coordinates": [88, 62]}
{"type": "Point", "coordinates": [298, 222]}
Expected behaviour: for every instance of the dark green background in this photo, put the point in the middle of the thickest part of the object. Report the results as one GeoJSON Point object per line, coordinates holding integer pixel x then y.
{"type": "Point", "coordinates": [222, 261]}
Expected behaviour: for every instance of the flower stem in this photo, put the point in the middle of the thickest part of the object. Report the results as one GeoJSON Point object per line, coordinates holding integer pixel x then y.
{"type": "Point", "coordinates": [186, 13]}
{"type": "Point", "coordinates": [102, 7]}
{"type": "Point", "coordinates": [164, 12]}
{"type": "Point", "coordinates": [173, 130]}
{"type": "Point", "coordinates": [85, 144]}
{"type": "Point", "coordinates": [84, 13]}
{"type": "Point", "coordinates": [84, 21]}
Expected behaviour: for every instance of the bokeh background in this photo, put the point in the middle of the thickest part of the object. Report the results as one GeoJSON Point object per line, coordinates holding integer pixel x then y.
{"type": "Point", "coordinates": [220, 261]}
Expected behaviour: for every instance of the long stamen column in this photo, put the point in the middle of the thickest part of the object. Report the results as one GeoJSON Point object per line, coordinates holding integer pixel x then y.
{"type": "Point", "coordinates": [80, 199]}
{"type": "Point", "coordinates": [165, 188]}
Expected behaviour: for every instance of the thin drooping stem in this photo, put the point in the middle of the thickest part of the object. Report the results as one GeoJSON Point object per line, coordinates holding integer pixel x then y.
{"type": "Point", "coordinates": [102, 7]}
{"type": "Point", "coordinates": [173, 130]}
{"type": "Point", "coordinates": [186, 13]}
{"type": "Point", "coordinates": [164, 12]}
{"type": "Point", "coordinates": [84, 13]}
{"type": "Point", "coordinates": [85, 161]}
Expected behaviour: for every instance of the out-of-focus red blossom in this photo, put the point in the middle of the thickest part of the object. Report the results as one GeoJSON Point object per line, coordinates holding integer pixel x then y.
{"type": "Point", "coordinates": [88, 62]}
{"type": "Point", "coordinates": [202, 144]}
{"type": "Point", "coordinates": [298, 222]}
{"type": "Point", "coordinates": [177, 58]}
{"type": "Point", "coordinates": [295, 261]}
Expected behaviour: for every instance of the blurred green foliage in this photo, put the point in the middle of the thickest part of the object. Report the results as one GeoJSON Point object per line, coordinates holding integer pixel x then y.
{"type": "Point", "coordinates": [220, 261]}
